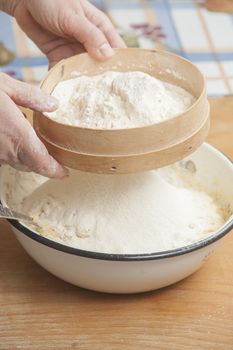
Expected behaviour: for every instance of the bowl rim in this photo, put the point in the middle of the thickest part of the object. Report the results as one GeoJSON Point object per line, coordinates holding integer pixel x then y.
{"type": "Point", "coordinates": [131, 257]}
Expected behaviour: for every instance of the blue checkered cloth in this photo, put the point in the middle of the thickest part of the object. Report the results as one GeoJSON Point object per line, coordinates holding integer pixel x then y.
{"type": "Point", "coordinates": [180, 26]}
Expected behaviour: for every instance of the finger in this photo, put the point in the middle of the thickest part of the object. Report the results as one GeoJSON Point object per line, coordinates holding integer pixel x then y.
{"type": "Point", "coordinates": [89, 36]}
{"type": "Point", "coordinates": [98, 18]}
{"type": "Point", "coordinates": [55, 45]}
{"type": "Point", "coordinates": [27, 95]}
{"type": "Point", "coordinates": [68, 50]}
{"type": "Point", "coordinates": [34, 156]}
{"type": "Point", "coordinates": [19, 145]}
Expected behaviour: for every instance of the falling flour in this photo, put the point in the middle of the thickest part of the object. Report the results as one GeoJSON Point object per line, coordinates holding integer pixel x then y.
{"type": "Point", "coordinates": [118, 100]}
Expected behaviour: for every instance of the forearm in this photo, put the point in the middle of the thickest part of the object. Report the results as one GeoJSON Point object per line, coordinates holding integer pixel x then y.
{"type": "Point", "coordinates": [8, 6]}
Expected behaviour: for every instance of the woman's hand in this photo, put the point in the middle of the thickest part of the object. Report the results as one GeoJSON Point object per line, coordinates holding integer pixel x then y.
{"type": "Point", "coordinates": [19, 145]}
{"type": "Point", "coordinates": [62, 28]}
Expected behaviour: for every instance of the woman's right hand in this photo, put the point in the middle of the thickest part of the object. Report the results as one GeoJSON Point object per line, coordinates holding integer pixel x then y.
{"type": "Point", "coordinates": [19, 145]}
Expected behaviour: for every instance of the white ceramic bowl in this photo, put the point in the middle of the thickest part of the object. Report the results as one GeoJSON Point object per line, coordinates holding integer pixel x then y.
{"type": "Point", "coordinates": [114, 273]}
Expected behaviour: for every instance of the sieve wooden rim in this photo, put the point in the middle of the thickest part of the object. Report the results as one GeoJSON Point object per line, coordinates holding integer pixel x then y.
{"type": "Point", "coordinates": [123, 164]}
{"type": "Point", "coordinates": [130, 141]}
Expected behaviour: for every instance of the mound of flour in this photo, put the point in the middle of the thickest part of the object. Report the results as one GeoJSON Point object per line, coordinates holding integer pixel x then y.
{"type": "Point", "coordinates": [136, 213]}
{"type": "Point", "coordinates": [118, 100]}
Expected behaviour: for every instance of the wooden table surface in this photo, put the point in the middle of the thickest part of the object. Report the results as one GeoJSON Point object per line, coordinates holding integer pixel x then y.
{"type": "Point", "coordinates": [39, 311]}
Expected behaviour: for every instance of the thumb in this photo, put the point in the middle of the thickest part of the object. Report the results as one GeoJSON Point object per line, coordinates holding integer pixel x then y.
{"type": "Point", "coordinates": [91, 37]}
{"type": "Point", "coordinates": [33, 155]}
{"type": "Point", "coordinates": [27, 95]}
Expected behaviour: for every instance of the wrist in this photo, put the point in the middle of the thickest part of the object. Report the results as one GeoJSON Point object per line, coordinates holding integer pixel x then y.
{"type": "Point", "coordinates": [9, 6]}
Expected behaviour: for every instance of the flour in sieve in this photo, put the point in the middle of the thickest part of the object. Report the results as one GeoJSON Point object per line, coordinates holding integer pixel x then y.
{"type": "Point", "coordinates": [118, 100]}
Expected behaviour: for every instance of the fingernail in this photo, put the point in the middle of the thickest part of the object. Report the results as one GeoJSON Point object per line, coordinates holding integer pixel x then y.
{"type": "Point", "coordinates": [50, 103]}
{"type": "Point", "coordinates": [106, 50]}
{"type": "Point", "coordinates": [57, 170]}
{"type": "Point", "coordinates": [64, 173]}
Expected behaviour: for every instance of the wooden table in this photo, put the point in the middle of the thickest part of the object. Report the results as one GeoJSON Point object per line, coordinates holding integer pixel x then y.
{"type": "Point", "coordinates": [39, 311]}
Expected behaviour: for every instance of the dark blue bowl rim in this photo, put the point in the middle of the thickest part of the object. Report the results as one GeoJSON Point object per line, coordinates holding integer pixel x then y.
{"type": "Point", "coordinates": [124, 257]}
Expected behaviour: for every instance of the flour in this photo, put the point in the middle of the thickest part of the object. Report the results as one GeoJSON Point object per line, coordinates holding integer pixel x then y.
{"type": "Point", "coordinates": [136, 213]}
{"type": "Point", "coordinates": [118, 100]}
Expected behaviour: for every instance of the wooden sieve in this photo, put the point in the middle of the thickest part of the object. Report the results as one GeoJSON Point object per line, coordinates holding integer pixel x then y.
{"type": "Point", "coordinates": [118, 151]}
